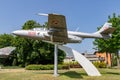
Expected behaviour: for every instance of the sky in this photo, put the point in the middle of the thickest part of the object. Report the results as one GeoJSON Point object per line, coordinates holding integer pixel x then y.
{"type": "Point", "coordinates": [86, 15]}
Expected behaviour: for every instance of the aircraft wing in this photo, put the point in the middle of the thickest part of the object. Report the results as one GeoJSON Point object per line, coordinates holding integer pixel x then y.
{"type": "Point", "coordinates": [57, 28]}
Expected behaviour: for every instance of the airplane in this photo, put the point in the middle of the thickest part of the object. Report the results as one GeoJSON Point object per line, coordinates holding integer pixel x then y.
{"type": "Point", "coordinates": [57, 31]}
{"type": "Point", "coordinates": [57, 34]}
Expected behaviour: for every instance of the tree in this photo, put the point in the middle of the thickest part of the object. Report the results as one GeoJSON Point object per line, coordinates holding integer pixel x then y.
{"type": "Point", "coordinates": [116, 35]}
{"type": "Point", "coordinates": [30, 24]}
{"type": "Point", "coordinates": [111, 45]}
{"type": "Point", "coordinates": [5, 40]}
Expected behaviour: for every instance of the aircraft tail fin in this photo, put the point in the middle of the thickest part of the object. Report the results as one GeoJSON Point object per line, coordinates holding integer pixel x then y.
{"type": "Point", "coordinates": [106, 30]}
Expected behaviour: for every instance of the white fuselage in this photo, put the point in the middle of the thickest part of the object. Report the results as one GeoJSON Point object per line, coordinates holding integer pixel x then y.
{"type": "Point", "coordinates": [84, 35]}
{"type": "Point", "coordinates": [42, 34]}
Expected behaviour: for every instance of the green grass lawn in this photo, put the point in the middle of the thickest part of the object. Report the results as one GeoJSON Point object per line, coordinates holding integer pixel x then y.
{"type": "Point", "coordinates": [72, 74]}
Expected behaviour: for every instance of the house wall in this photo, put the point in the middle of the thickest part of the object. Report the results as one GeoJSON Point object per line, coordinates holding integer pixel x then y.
{"type": "Point", "coordinates": [99, 54]}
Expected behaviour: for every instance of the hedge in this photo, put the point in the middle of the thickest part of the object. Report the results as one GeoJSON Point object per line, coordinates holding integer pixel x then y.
{"type": "Point", "coordinates": [73, 64]}
{"type": "Point", "coordinates": [45, 67]}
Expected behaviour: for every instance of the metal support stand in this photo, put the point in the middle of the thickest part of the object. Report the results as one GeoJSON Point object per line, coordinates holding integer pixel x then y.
{"type": "Point", "coordinates": [56, 60]}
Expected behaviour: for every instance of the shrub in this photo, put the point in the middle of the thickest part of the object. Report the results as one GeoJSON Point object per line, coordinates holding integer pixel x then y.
{"type": "Point", "coordinates": [45, 67]}
{"type": "Point", "coordinates": [10, 67]}
{"type": "Point", "coordinates": [72, 64]}
{"type": "Point", "coordinates": [96, 64]}
{"type": "Point", "coordinates": [100, 64]}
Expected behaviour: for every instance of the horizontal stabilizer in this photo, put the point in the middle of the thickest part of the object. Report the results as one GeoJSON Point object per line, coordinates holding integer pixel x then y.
{"type": "Point", "coordinates": [108, 31]}
{"type": "Point", "coordinates": [105, 30]}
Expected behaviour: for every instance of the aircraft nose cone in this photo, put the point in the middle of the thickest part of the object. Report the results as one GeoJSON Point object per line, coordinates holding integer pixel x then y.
{"type": "Point", "coordinates": [16, 32]}
{"type": "Point", "coordinates": [19, 32]}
